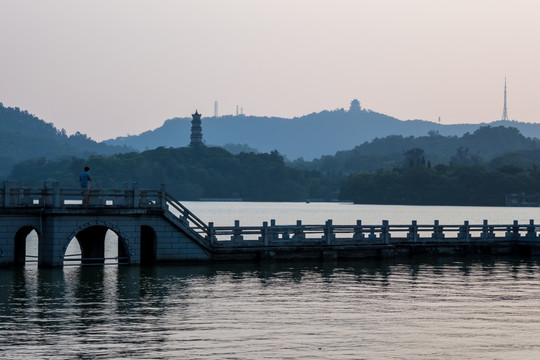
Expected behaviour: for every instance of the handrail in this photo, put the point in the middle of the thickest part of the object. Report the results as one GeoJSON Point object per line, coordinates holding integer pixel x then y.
{"type": "Point", "coordinates": [185, 214]}
{"type": "Point", "coordinates": [384, 233]}
{"type": "Point", "coordinates": [12, 196]}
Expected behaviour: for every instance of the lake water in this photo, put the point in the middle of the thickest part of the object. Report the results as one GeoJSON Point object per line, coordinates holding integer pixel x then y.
{"type": "Point", "coordinates": [447, 308]}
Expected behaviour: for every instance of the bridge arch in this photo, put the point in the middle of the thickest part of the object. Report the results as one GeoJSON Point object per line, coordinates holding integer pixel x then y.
{"type": "Point", "coordinates": [19, 258]}
{"type": "Point", "coordinates": [148, 245]}
{"type": "Point", "coordinates": [91, 240]}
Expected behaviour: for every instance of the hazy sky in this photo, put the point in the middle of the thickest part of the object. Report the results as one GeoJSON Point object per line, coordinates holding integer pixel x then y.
{"type": "Point", "coordinates": [109, 68]}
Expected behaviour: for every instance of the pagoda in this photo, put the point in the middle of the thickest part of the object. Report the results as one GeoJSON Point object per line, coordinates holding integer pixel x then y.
{"type": "Point", "coordinates": [196, 129]}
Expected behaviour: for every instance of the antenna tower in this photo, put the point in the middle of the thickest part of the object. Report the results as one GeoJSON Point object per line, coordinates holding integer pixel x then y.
{"type": "Point", "coordinates": [215, 108]}
{"type": "Point", "coordinates": [505, 112]}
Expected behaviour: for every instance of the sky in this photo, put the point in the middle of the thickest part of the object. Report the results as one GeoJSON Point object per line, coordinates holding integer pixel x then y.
{"type": "Point", "coordinates": [110, 68]}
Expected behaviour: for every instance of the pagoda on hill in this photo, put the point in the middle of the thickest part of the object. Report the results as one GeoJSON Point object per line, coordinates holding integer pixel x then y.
{"type": "Point", "coordinates": [196, 129]}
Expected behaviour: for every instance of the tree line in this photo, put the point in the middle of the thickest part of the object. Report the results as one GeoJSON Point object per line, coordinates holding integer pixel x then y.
{"type": "Point", "coordinates": [189, 173]}
{"type": "Point", "coordinates": [484, 144]}
{"type": "Point", "coordinates": [464, 181]}
{"type": "Point", "coordinates": [415, 177]}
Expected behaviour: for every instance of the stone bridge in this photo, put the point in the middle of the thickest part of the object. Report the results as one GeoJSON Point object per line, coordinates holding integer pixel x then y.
{"type": "Point", "coordinates": [152, 226]}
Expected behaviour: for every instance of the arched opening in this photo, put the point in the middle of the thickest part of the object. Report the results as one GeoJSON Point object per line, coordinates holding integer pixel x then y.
{"type": "Point", "coordinates": [148, 245]}
{"type": "Point", "coordinates": [92, 243]}
{"type": "Point", "coordinates": [26, 246]}
{"type": "Point", "coordinates": [96, 245]}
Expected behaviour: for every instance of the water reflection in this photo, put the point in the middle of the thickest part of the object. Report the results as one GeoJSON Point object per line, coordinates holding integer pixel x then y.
{"type": "Point", "coordinates": [346, 308]}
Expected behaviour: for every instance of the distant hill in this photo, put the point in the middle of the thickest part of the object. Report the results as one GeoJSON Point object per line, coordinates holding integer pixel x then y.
{"type": "Point", "coordinates": [24, 136]}
{"type": "Point", "coordinates": [481, 146]}
{"type": "Point", "coordinates": [309, 136]}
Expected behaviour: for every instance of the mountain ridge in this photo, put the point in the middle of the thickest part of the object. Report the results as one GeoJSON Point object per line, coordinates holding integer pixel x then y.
{"type": "Point", "coordinates": [308, 137]}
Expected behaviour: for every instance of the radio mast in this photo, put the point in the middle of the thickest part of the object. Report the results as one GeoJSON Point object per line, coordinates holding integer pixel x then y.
{"type": "Point", "coordinates": [505, 112]}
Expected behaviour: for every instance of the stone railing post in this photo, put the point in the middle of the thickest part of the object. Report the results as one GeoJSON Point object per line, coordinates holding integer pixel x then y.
{"type": "Point", "coordinates": [358, 234]}
{"type": "Point", "coordinates": [136, 196]}
{"type": "Point", "coordinates": [512, 232]}
{"type": "Point", "coordinates": [162, 200]}
{"type": "Point", "coordinates": [127, 196]}
{"type": "Point", "coordinates": [6, 194]}
{"type": "Point", "coordinates": [299, 231]}
{"type": "Point", "coordinates": [56, 194]}
{"type": "Point", "coordinates": [485, 230]}
{"type": "Point", "coordinates": [271, 231]}
{"type": "Point", "coordinates": [47, 199]}
{"type": "Point", "coordinates": [329, 231]}
{"type": "Point", "coordinates": [531, 230]}
{"type": "Point", "coordinates": [464, 231]}
{"type": "Point", "coordinates": [437, 231]}
{"type": "Point", "coordinates": [385, 234]}
{"type": "Point", "coordinates": [413, 232]}
{"type": "Point", "coordinates": [211, 233]}
{"type": "Point", "coordinates": [264, 233]}
{"type": "Point", "coordinates": [515, 230]}
{"type": "Point", "coordinates": [237, 232]}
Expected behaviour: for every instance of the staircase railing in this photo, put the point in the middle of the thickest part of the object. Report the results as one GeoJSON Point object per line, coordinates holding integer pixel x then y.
{"type": "Point", "coordinates": [182, 213]}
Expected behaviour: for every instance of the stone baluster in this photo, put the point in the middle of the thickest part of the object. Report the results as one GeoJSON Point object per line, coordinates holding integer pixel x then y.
{"type": "Point", "coordinates": [56, 201]}
{"type": "Point", "coordinates": [437, 231]}
{"type": "Point", "coordinates": [273, 235]}
{"type": "Point", "coordinates": [264, 233]}
{"type": "Point", "coordinates": [6, 194]}
{"type": "Point", "coordinates": [464, 231]}
{"type": "Point", "coordinates": [135, 195]}
{"type": "Point", "coordinates": [531, 230]}
{"type": "Point", "coordinates": [329, 235]}
{"type": "Point", "coordinates": [485, 230]}
{"type": "Point", "coordinates": [211, 233]}
{"type": "Point", "coordinates": [237, 232]}
{"type": "Point", "coordinates": [162, 201]}
{"type": "Point", "coordinates": [299, 231]}
{"type": "Point", "coordinates": [385, 232]}
{"type": "Point", "coordinates": [413, 232]}
{"type": "Point", "coordinates": [358, 234]}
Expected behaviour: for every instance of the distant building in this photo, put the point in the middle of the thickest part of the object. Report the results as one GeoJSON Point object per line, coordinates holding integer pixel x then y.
{"type": "Point", "coordinates": [196, 129]}
{"type": "Point", "coordinates": [532, 200]}
{"type": "Point", "coordinates": [355, 106]}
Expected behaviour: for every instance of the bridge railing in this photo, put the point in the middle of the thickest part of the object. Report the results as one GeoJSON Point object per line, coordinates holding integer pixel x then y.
{"type": "Point", "coordinates": [183, 214]}
{"type": "Point", "coordinates": [53, 196]}
{"type": "Point", "coordinates": [385, 233]}
{"type": "Point", "coordinates": [130, 197]}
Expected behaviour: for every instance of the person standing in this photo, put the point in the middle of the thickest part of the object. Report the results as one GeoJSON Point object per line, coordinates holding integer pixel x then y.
{"type": "Point", "coordinates": [86, 183]}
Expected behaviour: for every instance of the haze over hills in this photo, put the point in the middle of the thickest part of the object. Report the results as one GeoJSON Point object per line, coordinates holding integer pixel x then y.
{"type": "Point", "coordinates": [309, 136]}
{"type": "Point", "coordinates": [23, 136]}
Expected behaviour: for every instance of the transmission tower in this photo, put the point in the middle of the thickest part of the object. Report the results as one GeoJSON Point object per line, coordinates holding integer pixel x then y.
{"type": "Point", "coordinates": [505, 112]}
{"type": "Point", "coordinates": [215, 108]}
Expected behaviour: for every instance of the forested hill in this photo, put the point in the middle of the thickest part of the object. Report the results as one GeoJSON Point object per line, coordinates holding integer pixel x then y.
{"type": "Point", "coordinates": [389, 152]}
{"type": "Point", "coordinates": [310, 136]}
{"type": "Point", "coordinates": [24, 136]}
{"type": "Point", "coordinates": [189, 173]}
